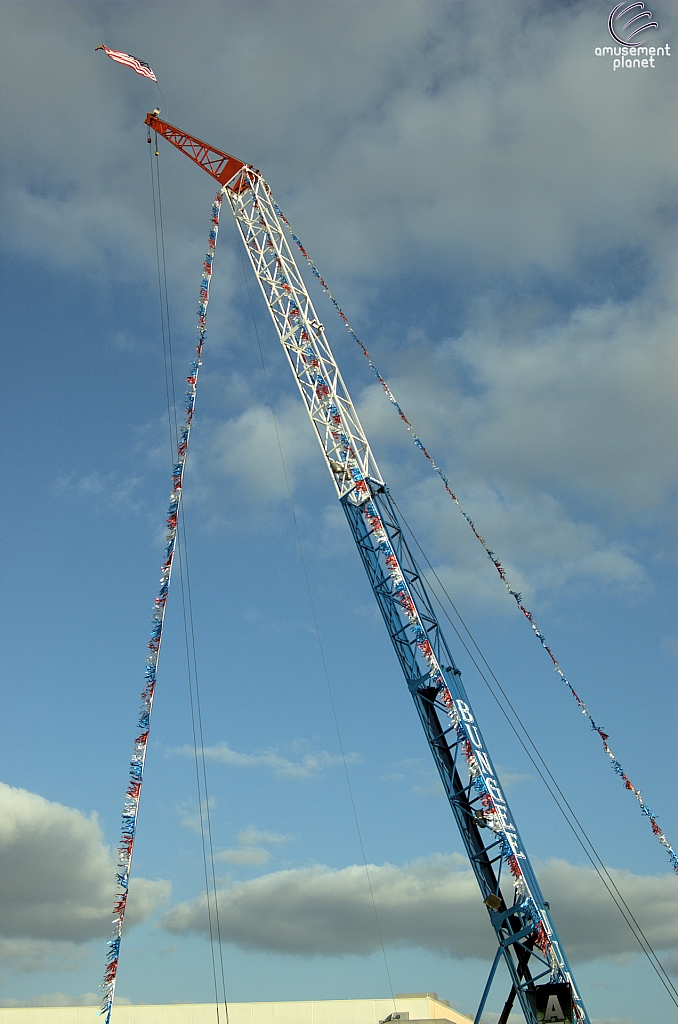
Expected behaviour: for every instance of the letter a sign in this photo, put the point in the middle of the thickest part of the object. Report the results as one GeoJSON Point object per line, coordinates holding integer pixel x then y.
{"type": "Point", "coordinates": [553, 1011]}
{"type": "Point", "coordinates": [552, 1004]}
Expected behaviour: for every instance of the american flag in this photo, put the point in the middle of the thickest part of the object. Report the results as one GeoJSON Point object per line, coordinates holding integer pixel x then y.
{"type": "Point", "coordinates": [140, 66]}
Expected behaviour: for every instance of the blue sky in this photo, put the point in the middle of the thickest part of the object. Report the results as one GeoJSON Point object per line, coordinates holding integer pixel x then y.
{"type": "Point", "coordinates": [494, 207]}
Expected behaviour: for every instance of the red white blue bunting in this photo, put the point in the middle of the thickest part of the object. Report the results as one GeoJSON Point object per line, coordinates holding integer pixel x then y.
{"type": "Point", "coordinates": [615, 763]}
{"type": "Point", "coordinates": [137, 762]}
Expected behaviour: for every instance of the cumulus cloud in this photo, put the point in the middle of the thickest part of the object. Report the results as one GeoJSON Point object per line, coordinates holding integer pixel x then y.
{"type": "Point", "coordinates": [418, 775]}
{"type": "Point", "coordinates": [555, 438]}
{"type": "Point", "coordinates": [246, 852]}
{"type": "Point", "coordinates": [670, 962]}
{"type": "Point", "coordinates": [255, 835]}
{"type": "Point", "coordinates": [33, 955]}
{"type": "Point", "coordinates": [542, 546]}
{"type": "Point", "coordinates": [105, 491]}
{"type": "Point", "coordinates": [238, 471]}
{"type": "Point", "coordinates": [249, 855]}
{"type": "Point", "coordinates": [585, 404]}
{"type": "Point", "coordinates": [58, 882]}
{"type": "Point", "coordinates": [310, 766]}
{"type": "Point", "coordinates": [581, 405]}
{"type": "Point", "coordinates": [472, 96]}
{"type": "Point", "coordinates": [416, 770]}
{"type": "Point", "coordinates": [433, 904]}
{"type": "Point", "coordinates": [591, 926]}
{"type": "Point", "coordinates": [559, 401]}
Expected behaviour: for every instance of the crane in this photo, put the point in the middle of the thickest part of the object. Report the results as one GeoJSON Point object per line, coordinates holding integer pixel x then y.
{"type": "Point", "coordinates": [526, 936]}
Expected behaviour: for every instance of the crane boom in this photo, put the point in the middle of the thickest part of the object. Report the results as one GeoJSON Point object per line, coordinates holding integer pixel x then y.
{"type": "Point", "coordinates": [527, 939]}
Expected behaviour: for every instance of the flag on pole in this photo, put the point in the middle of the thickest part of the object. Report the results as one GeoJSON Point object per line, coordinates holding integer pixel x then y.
{"type": "Point", "coordinates": [140, 66]}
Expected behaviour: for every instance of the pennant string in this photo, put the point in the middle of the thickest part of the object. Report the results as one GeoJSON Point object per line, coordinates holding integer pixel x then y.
{"type": "Point", "coordinates": [138, 760]}
{"type": "Point", "coordinates": [615, 763]}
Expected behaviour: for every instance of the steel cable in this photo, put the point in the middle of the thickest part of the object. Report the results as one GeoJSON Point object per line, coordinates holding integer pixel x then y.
{"type": "Point", "coordinates": [569, 815]}
{"type": "Point", "coordinates": [187, 611]}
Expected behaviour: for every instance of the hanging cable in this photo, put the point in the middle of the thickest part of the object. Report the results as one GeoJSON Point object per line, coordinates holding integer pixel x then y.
{"type": "Point", "coordinates": [170, 388]}
{"type": "Point", "coordinates": [212, 899]}
{"type": "Point", "coordinates": [190, 647]}
{"type": "Point", "coordinates": [169, 376]}
{"type": "Point", "coordinates": [187, 612]}
{"type": "Point", "coordinates": [170, 393]}
{"type": "Point", "coordinates": [200, 764]}
{"type": "Point", "coordinates": [316, 628]}
{"type": "Point", "coordinates": [194, 683]}
{"type": "Point", "coordinates": [567, 811]}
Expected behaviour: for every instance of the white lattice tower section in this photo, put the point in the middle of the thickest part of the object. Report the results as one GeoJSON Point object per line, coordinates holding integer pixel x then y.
{"type": "Point", "coordinates": [322, 388]}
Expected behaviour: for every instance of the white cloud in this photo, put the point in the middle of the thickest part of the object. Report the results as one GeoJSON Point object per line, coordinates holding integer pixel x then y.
{"type": "Point", "coordinates": [670, 962]}
{"type": "Point", "coordinates": [249, 855]}
{"type": "Point", "coordinates": [310, 766]}
{"type": "Point", "coordinates": [543, 550]}
{"type": "Point", "coordinates": [468, 98]}
{"type": "Point", "coordinates": [555, 440]}
{"type": "Point", "coordinates": [247, 852]}
{"type": "Point", "coordinates": [238, 471]}
{"type": "Point", "coordinates": [432, 903]}
{"type": "Point", "coordinates": [33, 955]}
{"type": "Point", "coordinates": [587, 404]}
{"type": "Point", "coordinates": [418, 775]}
{"type": "Point", "coordinates": [510, 780]}
{"type": "Point", "coordinates": [58, 882]}
{"type": "Point", "coordinates": [588, 922]}
{"type": "Point", "coordinates": [190, 818]}
{"type": "Point", "coordinates": [318, 911]}
{"type": "Point", "coordinates": [498, 186]}
{"type": "Point", "coordinates": [584, 403]}
{"type": "Point", "coordinates": [254, 835]}
{"type": "Point", "coordinates": [103, 490]}
{"type": "Point", "coordinates": [189, 814]}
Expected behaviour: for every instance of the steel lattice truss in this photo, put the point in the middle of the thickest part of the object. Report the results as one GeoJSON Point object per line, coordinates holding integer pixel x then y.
{"type": "Point", "coordinates": [322, 388]}
{"type": "Point", "coordinates": [526, 936]}
{"type": "Point", "coordinates": [218, 164]}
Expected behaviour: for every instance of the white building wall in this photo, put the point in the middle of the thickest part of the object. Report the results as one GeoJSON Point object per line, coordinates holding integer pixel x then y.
{"type": "Point", "coordinates": [321, 1011]}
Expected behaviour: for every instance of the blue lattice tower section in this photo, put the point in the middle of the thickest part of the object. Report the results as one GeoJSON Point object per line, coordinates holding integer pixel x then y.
{"type": "Point", "coordinates": [526, 935]}
{"type": "Point", "coordinates": [527, 939]}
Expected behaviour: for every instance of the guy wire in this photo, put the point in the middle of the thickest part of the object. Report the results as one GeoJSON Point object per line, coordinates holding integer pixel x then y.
{"type": "Point", "coordinates": [202, 759]}
{"type": "Point", "coordinates": [593, 857]}
{"type": "Point", "coordinates": [183, 556]}
{"type": "Point", "coordinates": [170, 400]}
{"type": "Point", "coordinates": [317, 633]}
{"type": "Point", "coordinates": [182, 551]}
{"type": "Point", "coordinates": [163, 100]}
